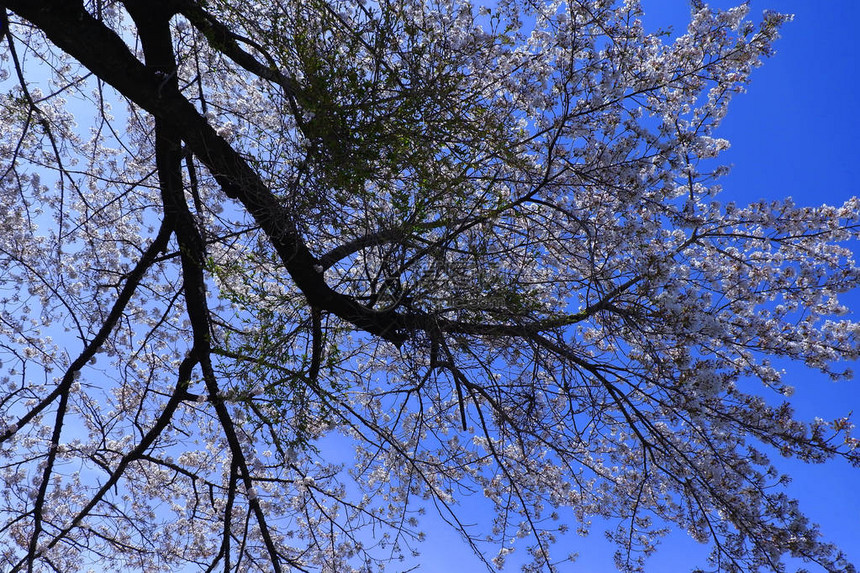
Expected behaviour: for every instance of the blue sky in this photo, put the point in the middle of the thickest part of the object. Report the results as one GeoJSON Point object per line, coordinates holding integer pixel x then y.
{"type": "Point", "coordinates": [794, 133]}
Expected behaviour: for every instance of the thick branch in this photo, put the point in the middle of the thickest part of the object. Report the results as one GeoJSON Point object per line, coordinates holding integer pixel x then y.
{"type": "Point", "coordinates": [74, 30]}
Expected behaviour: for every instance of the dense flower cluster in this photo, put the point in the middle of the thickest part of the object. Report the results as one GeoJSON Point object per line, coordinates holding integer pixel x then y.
{"type": "Point", "coordinates": [478, 248]}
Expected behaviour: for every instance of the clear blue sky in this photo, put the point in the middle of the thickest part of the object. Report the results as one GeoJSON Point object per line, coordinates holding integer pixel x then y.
{"type": "Point", "coordinates": [795, 133]}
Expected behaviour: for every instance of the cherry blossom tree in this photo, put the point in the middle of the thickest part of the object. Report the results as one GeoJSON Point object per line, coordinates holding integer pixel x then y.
{"type": "Point", "coordinates": [481, 246]}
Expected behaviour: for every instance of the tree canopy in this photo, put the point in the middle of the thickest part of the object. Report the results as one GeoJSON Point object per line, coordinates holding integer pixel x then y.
{"type": "Point", "coordinates": [482, 246]}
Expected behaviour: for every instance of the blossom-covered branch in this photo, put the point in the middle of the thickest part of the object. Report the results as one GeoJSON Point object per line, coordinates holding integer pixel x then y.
{"type": "Point", "coordinates": [481, 246]}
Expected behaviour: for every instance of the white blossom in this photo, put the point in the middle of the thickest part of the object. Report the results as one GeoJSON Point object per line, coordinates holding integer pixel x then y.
{"type": "Point", "coordinates": [409, 251]}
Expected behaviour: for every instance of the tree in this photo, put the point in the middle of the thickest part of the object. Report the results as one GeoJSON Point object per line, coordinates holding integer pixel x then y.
{"type": "Point", "coordinates": [480, 245]}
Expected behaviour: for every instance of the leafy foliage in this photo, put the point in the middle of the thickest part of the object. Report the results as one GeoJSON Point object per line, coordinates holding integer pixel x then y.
{"type": "Point", "coordinates": [479, 245]}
